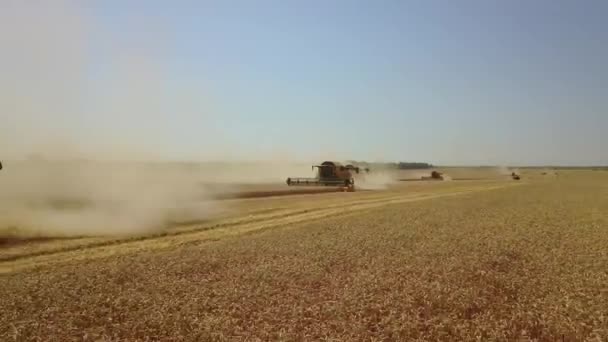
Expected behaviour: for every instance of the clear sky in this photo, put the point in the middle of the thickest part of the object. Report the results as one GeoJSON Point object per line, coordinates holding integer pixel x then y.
{"type": "Point", "coordinates": [447, 82]}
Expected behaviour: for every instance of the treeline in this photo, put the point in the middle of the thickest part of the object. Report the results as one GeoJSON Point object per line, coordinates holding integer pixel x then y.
{"type": "Point", "coordinates": [413, 166]}
{"type": "Point", "coordinates": [399, 165]}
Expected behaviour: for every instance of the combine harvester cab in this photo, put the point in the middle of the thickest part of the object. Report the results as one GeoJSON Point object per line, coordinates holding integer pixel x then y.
{"type": "Point", "coordinates": [329, 174]}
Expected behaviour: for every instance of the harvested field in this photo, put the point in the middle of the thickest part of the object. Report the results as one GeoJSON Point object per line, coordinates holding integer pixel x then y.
{"type": "Point", "coordinates": [473, 260]}
{"type": "Point", "coordinates": [244, 193]}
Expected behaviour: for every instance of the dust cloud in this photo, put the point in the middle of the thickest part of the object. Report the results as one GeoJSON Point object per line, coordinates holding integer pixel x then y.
{"type": "Point", "coordinates": [57, 130]}
{"type": "Point", "coordinates": [83, 139]}
{"type": "Point", "coordinates": [376, 180]}
{"type": "Point", "coordinates": [93, 198]}
{"type": "Point", "coordinates": [505, 171]}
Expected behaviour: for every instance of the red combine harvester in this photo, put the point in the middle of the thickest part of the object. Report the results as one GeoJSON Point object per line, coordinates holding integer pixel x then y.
{"type": "Point", "coordinates": [329, 174]}
{"type": "Point", "coordinates": [434, 176]}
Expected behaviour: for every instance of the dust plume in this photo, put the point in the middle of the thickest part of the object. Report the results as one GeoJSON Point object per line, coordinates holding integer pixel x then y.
{"type": "Point", "coordinates": [376, 180]}
{"type": "Point", "coordinates": [79, 120]}
{"type": "Point", "coordinates": [505, 171]}
{"type": "Point", "coordinates": [93, 198]}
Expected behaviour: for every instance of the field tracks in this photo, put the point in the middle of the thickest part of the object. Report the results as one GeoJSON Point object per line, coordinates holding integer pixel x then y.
{"type": "Point", "coordinates": [58, 251]}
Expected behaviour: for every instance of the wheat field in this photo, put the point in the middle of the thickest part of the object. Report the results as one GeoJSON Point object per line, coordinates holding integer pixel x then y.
{"type": "Point", "coordinates": [487, 260]}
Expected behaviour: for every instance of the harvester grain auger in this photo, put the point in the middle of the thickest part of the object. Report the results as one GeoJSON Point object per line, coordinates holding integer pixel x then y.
{"type": "Point", "coordinates": [329, 174]}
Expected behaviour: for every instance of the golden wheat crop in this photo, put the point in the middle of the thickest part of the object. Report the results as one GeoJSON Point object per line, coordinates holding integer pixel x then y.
{"type": "Point", "coordinates": [527, 262]}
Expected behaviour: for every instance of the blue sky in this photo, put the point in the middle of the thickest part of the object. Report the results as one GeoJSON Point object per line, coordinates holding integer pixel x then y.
{"type": "Point", "coordinates": [449, 82]}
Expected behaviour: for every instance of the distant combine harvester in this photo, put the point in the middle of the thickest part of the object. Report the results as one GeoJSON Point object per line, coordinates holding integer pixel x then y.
{"type": "Point", "coordinates": [434, 176]}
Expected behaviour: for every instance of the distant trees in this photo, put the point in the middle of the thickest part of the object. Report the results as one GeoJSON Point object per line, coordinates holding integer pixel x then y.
{"type": "Point", "coordinates": [413, 166]}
